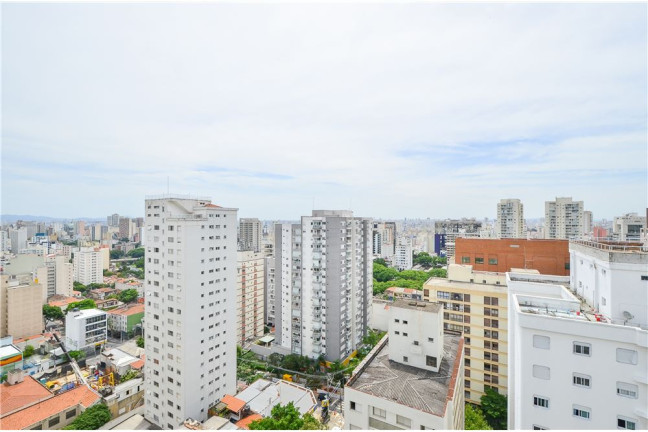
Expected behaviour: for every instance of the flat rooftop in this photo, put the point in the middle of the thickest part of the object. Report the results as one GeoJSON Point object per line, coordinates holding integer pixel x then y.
{"type": "Point", "coordinates": [407, 385]}
{"type": "Point", "coordinates": [417, 305]}
{"type": "Point", "coordinates": [443, 282]}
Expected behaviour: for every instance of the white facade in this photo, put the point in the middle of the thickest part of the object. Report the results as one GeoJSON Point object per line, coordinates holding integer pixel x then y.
{"type": "Point", "coordinates": [270, 291]}
{"type": "Point", "coordinates": [85, 329]}
{"type": "Point", "coordinates": [510, 219]}
{"type": "Point", "coordinates": [403, 255]}
{"type": "Point", "coordinates": [324, 283]}
{"type": "Point", "coordinates": [250, 295]}
{"type": "Point", "coordinates": [588, 224]}
{"type": "Point", "coordinates": [564, 219]}
{"type": "Point", "coordinates": [628, 227]}
{"type": "Point", "coordinates": [574, 365]}
{"type": "Point", "coordinates": [384, 240]}
{"type": "Point", "coordinates": [190, 308]}
{"type": "Point", "coordinates": [18, 239]}
{"type": "Point", "coordinates": [88, 267]}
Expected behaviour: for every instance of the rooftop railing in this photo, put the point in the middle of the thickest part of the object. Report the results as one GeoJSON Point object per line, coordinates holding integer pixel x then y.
{"type": "Point", "coordinates": [613, 246]}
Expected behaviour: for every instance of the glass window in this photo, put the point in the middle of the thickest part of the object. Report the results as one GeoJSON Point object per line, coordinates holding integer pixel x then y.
{"type": "Point", "coordinates": [581, 380]}
{"type": "Point", "coordinates": [542, 342]}
{"type": "Point", "coordinates": [582, 348]}
{"type": "Point", "coordinates": [465, 260]}
{"type": "Point", "coordinates": [627, 390]}
{"type": "Point", "coordinates": [378, 412]}
{"type": "Point", "coordinates": [541, 401]}
{"type": "Point", "coordinates": [492, 261]}
{"type": "Point", "coordinates": [403, 421]}
{"type": "Point", "coordinates": [479, 260]}
{"type": "Point", "coordinates": [580, 411]}
{"type": "Point", "coordinates": [626, 423]}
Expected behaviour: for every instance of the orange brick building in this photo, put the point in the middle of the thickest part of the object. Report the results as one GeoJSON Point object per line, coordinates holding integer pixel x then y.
{"type": "Point", "coordinates": [501, 255]}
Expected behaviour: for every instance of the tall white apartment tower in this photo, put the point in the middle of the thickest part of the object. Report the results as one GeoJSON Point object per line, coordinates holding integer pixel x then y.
{"type": "Point", "coordinates": [563, 219]}
{"type": "Point", "coordinates": [510, 219]}
{"type": "Point", "coordinates": [88, 267]}
{"type": "Point", "coordinates": [403, 259]}
{"type": "Point", "coordinates": [323, 283]}
{"type": "Point", "coordinates": [190, 310]}
{"type": "Point", "coordinates": [250, 234]}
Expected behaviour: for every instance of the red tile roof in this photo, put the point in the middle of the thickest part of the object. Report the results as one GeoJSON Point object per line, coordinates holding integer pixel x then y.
{"type": "Point", "coordinates": [244, 423]}
{"type": "Point", "coordinates": [42, 411]}
{"type": "Point", "coordinates": [13, 397]}
{"type": "Point", "coordinates": [233, 404]}
{"type": "Point", "coordinates": [138, 364]}
{"type": "Point", "coordinates": [129, 310]}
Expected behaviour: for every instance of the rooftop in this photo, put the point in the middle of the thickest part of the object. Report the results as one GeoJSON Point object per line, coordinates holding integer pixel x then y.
{"type": "Point", "coordinates": [8, 350]}
{"type": "Point", "coordinates": [128, 309]}
{"type": "Point", "coordinates": [263, 395]}
{"type": "Point", "coordinates": [43, 410]}
{"type": "Point", "coordinates": [244, 423]}
{"type": "Point", "coordinates": [614, 246]}
{"type": "Point", "coordinates": [233, 404]}
{"type": "Point", "coordinates": [13, 397]}
{"type": "Point", "coordinates": [23, 263]}
{"type": "Point", "coordinates": [417, 305]}
{"type": "Point", "coordinates": [406, 385]}
{"type": "Point", "coordinates": [86, 313]}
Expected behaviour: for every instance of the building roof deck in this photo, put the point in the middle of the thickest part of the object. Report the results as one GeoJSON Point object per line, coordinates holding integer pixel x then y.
{"type": "Point", "coordinates": [407, 385]}
{"type": "Point", "coordinates": [614, 246]}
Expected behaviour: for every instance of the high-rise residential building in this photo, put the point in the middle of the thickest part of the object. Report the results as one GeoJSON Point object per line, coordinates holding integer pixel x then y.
{"type": "Point", "coordinates": [451, 229]}
{"type": "Point", "coordinates": [324, 283]}
{"type": "Point", "coordinates": [56, 276]}
{"type": "Point", "coordinates": [79, 228]}
{"type": "Point", "coordinates": [269, 291]}
{"type": "Point", "coordinates": [18, 239]}
{"type": "Point", "coordinates": [125, 228]}
{"type": "Point", "coordinates": [403, 257]}
{"type": "Point", "coordinates": [475, 304]}
{"type": "Point", "coordinates": [384, 239]}
{"type": "Point", "coordinates": [190, 308]}
{"type": "Point", "coordinates": [563, 219]}
{"type": "Point", "coordinates": [95, 232]}
{"type": "Point", "coordinates": [113, 220]}
{"type": "Point", "coordinates": [588, 224]}
{"type": "Point", "coordinates": [21, 306]}
{"type": "Point", "coordinates": [578, 350]}
{"type": "Point", "coordinates": [502, 255]}
{"type": "Point", "coordinates": [628, 227]}
{"type": "Point", "coordinates": [250, 234]}
{"type": "Point", "coordinates": [88, 267]}
{"type": "Point", "coordinates": [5, 241]}
{"type": "Point", "coordinates": [412, 379]}
{"type": "Point", "coordinates": [510, 219]}
{"type": "Point", "coordinates": [250, 295]}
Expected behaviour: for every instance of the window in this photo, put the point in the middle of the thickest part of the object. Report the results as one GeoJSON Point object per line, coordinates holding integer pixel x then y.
{"type": "Point", "coordinates": [396, 320]}
{"type": "Point", "coordinates": [479, 260]}
{"type": "Point", "coordinates": [403, 421]}
{"type": "Point", "coordinates": [465, 260]}
{"type": "Point", "coordinates": [582, 380]}
{"type": "Point", "coordinates": [582, 348]}
{"type": "Point", "coordinates": [536, 427]}
{"type": "Point", "coordinates": [492, 261]}
{"type": "Point", "coordinates": [626, 356]}
{"type": "Point", "coordinates": [626, 423]}
{"type": "Point", "coordinates": [627, 390]}
{"type": "Point", "coordinates": [542, 372]}
{"type": "Point", "coordinates": [431, 361]}
{"type": "Point", "coordinates": [541, 401]}
{"type": "Point", "coordinates": [644, 277]}
{"type": "Point", "coordinates": [404, 322]}
{"type": "Point", "coordinates": [415, 343]}
{"type": "Point", "coordinates": [70, 414]}
{"type": "Point", "coordinates": [397, 332]}
{"type": "Point", "coordinates": [378, 412]}
{"type": "Point", "coordinates": [581, 411]}
{"type": "Point", "coordinates": [542, 342]}
{"type": "Point", "coordinates": [54, 421]}
{"type": "Point", "coordinates": [405, 359]}
{"type": "Point", "coordinates": [353, 406]}
{"type": "Point", "coordinates": [404, 334]}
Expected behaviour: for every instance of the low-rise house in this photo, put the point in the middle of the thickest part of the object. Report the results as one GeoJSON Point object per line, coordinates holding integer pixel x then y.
{"type": "Point", "coordinates": [108, 303]}
{"type": "Point", "coordinates": [117, 360]}
{"type": "Point", "coordinates": [101, 293]}
{"type": "Point", "coordinates": [61, 301]}
{"type": "Point", "coordinates": [403, 293]}
{"type": "Point", "coordinates": [124, 319]}
{"type": "Point", "coordinates": [126, 397]}
{"type": "Point", "coordinates": [28, 405]}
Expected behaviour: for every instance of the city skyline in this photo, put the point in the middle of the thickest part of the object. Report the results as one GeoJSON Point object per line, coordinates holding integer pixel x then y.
{"type": "Point", "coordinates": [419, 110]}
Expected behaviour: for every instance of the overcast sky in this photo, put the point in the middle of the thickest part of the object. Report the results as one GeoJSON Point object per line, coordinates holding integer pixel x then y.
{"type": "Point", "coordinates": [392, 110]}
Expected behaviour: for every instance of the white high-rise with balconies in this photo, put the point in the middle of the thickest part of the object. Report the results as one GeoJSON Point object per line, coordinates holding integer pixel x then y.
{"type": "Point", "coordinates": [250, 234]}
{"type": "Point", "coordinates": [323, 283]}
{"type": "Point", "coordinates": [563, 219]}
{"type": "Point", "coordinates": [403, 258]}
{"type": "Point", "coordinates": [190, 311]}
{"type": "Point", "coordinates": [88, 267]}
{"type": "Point", "coordinates": [510, 219]}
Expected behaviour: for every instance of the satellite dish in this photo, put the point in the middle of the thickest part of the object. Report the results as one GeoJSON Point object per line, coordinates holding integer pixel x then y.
{"type": "Point", "coordinates": [627, 315]}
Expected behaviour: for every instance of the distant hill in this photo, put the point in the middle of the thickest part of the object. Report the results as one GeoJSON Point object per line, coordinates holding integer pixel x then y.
{"type": "Point", "coordinates": [11, 218]}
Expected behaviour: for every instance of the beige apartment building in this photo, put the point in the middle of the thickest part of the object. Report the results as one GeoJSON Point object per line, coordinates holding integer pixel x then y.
{"type": "Point", "coordinates": [250, 295]}
{"type": "Point", "coordinates": [475, 304]}
{"type": "Point", "coordinates": [21, 306]}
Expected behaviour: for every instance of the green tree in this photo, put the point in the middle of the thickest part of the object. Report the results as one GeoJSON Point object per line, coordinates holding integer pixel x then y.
{"type": "Point", "coordinates": [91, 419]}
{"type": "Point", "coordinates": [494, 405]}
{"type": "Point", "coordinates": [108, 273]}
{"type": "Point", "coordinates": [29, 351]}
{"type": "Point", "coordinates": [77, 355]}
{"type": "Point", "coordinates": [336, 368]}
{"type": "Point", "coordinates": [136, 253]}
{"type": "Point", "coordinates": [139, 263]}
{"type": "Point", "coordinates": [423, 259]}
{"type": "Point", "coordinates": [380, 261]}
{"type": "Point", "coordinates": [52, 312]}
{"type": "Point", "coordinates": [438, 272]}
{"type": "Point", "coordinates": [140, 342]}
{"type": "Point", "coordinates": [78, 286]}
{"type": "Point", "coordinates": [83, 304]}
{"type": "Point", "coordinates": [116, 254]}
{"type": "Point", "coordinates": [384, 274]}
{"type": "Point", "coordinates": [128, 296]}
{"type": "Point", "coordinates": [128, 376]}
{"type": "Point", "coordinates": [475, 419]}
{"type": "Point", "coordinates": [286, 418]}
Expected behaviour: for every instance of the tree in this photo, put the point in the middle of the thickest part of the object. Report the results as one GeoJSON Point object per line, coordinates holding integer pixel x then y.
{"type": "Point", "coordinates": [336, 369]}
{"type": "Point", "coordinates": [108, 273]}
{"type": "Point", "coordinates": [380, 261]}
{"type": "Point", "coordinates": [474, 419]}
{"type": "Point", "coordinates": [384, 274]}
{"type": "Point", "coordinates": [136, 253]}
{"type": "Point", "coordinates": [83, 304]}
{"type": "Point", "coordinates": [78, 286]}
{"type": "Point", "coordinates": [52, 312]}
{"type": "Point", "coordinates": [116, 254]}
{"type": "Point", "coordinates": [77, 355]}
{"type": "Point", "coordinates": [128, 296]}
{"type": "Point", "coordinates": [29, 351]}
{"type": "Point", "coordinates": [286, 418]}
{"type": "Point", "coordinates": [423, 259]}
{"type": "Point", "coordinates": [140, 342]}
{"type": "Point", "coordinates": [91, 419]}
{"type": "Point", "coordinates": [438, 272]}
{"type": "Point", "coordinates": [494, 407]}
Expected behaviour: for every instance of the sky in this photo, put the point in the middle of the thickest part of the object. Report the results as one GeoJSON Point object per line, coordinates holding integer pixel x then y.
{"type": "Point", "coordinates": [392, 110]}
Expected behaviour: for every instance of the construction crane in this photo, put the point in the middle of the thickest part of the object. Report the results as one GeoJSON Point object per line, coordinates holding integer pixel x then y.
{"type": "Point", "coordinates": [73, 363]}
